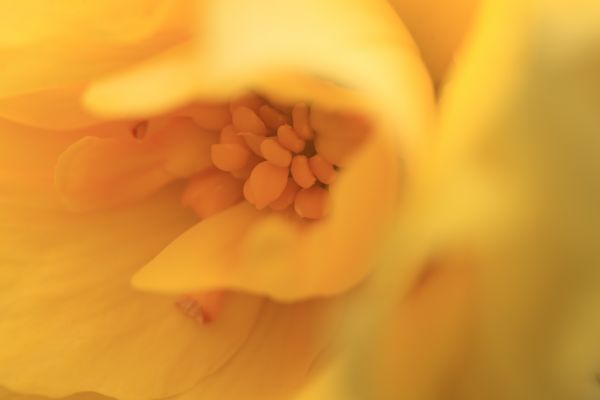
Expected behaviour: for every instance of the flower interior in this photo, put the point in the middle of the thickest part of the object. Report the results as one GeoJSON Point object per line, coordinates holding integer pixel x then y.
{"type": "Point", "coordinates": [282, 157]}
{"type": "Point", "coordinates": [286, 160]}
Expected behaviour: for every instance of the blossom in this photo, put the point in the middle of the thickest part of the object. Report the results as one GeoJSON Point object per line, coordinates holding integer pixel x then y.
{"type": "Point", "coordinates": [190, 188]}
{"type": "Point", "coordinates": [499, 297]}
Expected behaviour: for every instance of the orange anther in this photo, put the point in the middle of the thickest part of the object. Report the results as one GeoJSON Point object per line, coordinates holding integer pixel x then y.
{"type": "Point", "coordinates": [253, 142]}
{"type": "Point", "coordinates": [229, 157]}
{"type": "Point", "coordinates": [248, 192]}
{"type": "Point", "coordinates": [246, 120]}
{"type": "Point", "coordinates": [301, 172]}
{"type": "Point", "coordinates": [274, 152]}
{"type": "Point", "coordinates": [312, 203]}
{"type": "Point", "coordinates": [289, 139]}
{"type": "Point", "coordinates": [340, 134]}
{"type": "Point", "coordinates": [229, 136]}
{"type": "Point", "coordinates": [301, 121]}
{"type": "Point", "coordinates": [272, 117]}
{"type": "Point", "coordinates": [244, 173]}
{"type": "Point", "coordinates": [287, 197]}
{"type": "Point", "coordinates": [322, 169]}
{"type": "Point", "coordinates": [210, 192]}
{"type": "Point", "coordinates": [266, 183]}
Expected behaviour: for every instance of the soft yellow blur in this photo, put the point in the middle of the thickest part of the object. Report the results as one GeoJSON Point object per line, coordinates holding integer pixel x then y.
{"type": "Point", "coordinates": [439, 28]}
{"type": "Point", "coordinates": [513, 188]}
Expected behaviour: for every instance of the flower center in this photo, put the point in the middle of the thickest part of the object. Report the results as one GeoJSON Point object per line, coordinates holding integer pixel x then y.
{"type": "Point", "coordinates": [281, 157]}
{"type": "Point", "coordinates": [271, 156]}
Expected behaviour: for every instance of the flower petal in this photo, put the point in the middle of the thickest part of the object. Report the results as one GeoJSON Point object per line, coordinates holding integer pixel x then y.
{"type": "Point", "coordinates": [56, 108]}
{"type": "Point", "coordinates": [202, 256]}
{"type": "Point", "coordinates": [374, 70]}
{"type": "Point", "coordinates": [283, 348]}
{"type": "Point", "coordinates": [50, 45]}
{"type": "Point", "coordinates": [273, 255]}
{"type": "Point", "coordinates": [156, 85]}
{"type": "Point", "coordinates": [70, 320]}
{"type": "Point", "coordinates": [98, 173]}
{"type": "Point", "coordinates": [439, 28]}
{"type": "Point", "coordinates": [328, 383]}
{"type": "Point", "coordinates": [421, 344]}
{"type": "Point", "coordinates": [373, 56]}
{"type": "Point", "coordinates": [523, 144]}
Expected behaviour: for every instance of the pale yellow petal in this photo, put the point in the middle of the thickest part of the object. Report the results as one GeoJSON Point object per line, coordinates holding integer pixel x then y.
{"type": "Point", "coordinates": [48, 45]}
{"type": "Point", "coordinates": [520, 135]}
{"type": "Point", "coordinates": [421, 346]}
{"type": "Point", "coordinates": [360, 45]}
{"type": "Point", "coordinates": [56, 108]}
{"type": "Point", "coordinates": [70, 320]}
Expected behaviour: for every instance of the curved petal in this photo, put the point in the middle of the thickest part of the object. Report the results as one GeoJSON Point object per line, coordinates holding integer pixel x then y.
{"type": "Point", "coordinates": [421, 347]}
{"type": "Point", "coordinates": [327, 383]}
{"type": "Point", "coordinates": [96, 173]}
{"type": "Point", "coordinates": [277, 358]}
{"type": "Point", "coordinates": [244, 249]}
{"type": "Point", "coordinates": [99, 173]}
{"type": "Point", "coordinates": [204, 254]}
{"type": "Point", "coordinates": [374, 68]}
{"type": "Point", "coordinates": [438, 28]}
{"type": "Point", "coordinates": [359, 45]}
{"type": "Point", "coordinates": [55, 108]}
{"type": "Point", "coordinates": [524, 145]}
{"type": "Point", "coordinates": [46, 46]}
{"type": "Point", "coordinates": [70, 320]}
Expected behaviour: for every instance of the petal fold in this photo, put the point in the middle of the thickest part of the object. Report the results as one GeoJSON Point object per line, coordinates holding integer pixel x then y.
{"type": "Point", "coordinates": [245, 249]}
{"type": "Point", "coordinates": [70, 320]}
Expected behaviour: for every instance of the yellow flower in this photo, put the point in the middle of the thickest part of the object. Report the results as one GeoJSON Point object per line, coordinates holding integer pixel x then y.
{"type": "Point", "coordinates": [237, 160]}
{"type": "Point", "coordinates": [499, 299]}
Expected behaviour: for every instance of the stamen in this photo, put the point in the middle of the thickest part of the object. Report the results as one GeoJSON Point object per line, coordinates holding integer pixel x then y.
{"type": "Point", "coordinates": [322, 169]}
{"type": "Point", "coordinates": [230, 136]}
{"type": "Point", "coordinates": [276, 153]}
{"type": "Point", "coordinates": [272, 155]}
{"type": "Point", "coordinates": [246, 120]}
{"type": "Point", "coordinates": [229, 157]}
{"type": "Point", "coordinates": [312, 203]}
{"type": "Point", "coordinates": [244, 173]}
{"type": "Point", "coordinates": [302, 173]}
{"type": "Point", "coordinates": [287, 197]}
{"type": "Point", "coordinates": [266, 183]}
{"type": "Point", "coordinates": [272, 117]}
{"type": "Point", "coordinates": [249, 193]}
{"type": "Point", "coordinates": [301, 121]}
{"type": "Point", "coordinates": [289, 139]}
{"type": "Point", "coordinates": [211, 192]}
{"type": "Point", "coordinates": [253, 142]}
